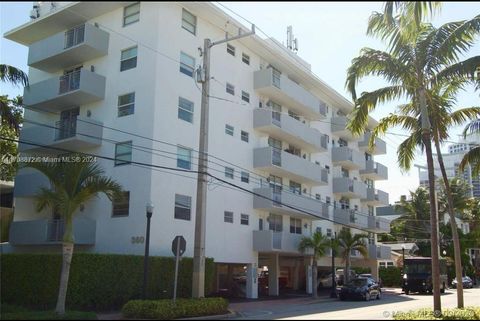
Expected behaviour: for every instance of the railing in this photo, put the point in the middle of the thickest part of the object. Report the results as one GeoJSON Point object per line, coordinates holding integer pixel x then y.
{"type": "Point", "coordinates": [276, 157]}
{"type": "Point", "coordinates": [65, 129]}
{"type": "Point", "coordinates": [55, 230]}
{"type": "Point", "coordinates": [323, 141]}
{"type": "Point", "coordinates": [277, 240]}
{"type": "Point", "coordinates": [277, 197]}
{"type": "Point", "coordinates": [69, 82]}
{"type": "Point", "coordinates": [276, 76]}
{"type": "Point", "coordinates": [74, 36]}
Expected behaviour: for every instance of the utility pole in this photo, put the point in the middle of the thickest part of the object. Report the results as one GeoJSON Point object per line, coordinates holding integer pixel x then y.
{"type": "Point", "coordinates": [198, 285]}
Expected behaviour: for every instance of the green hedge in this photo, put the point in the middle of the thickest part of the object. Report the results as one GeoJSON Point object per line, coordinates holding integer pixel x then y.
{"type": "Point", "coordinates": [468, 313]}
{"type": "Point", "coordinates": [166, 310]}
{"type": "Point", "coordinates": [391, 276]}
{"type": "Point", "coordinates": [97, 281]}
{"type": "Point", "coordinates": [361, 270]}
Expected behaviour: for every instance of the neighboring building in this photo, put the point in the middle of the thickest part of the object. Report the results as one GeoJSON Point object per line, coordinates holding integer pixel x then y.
{"type": "Point", "coordinates": [104, 70]}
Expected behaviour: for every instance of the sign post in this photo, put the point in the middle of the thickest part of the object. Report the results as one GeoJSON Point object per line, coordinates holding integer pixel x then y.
{"type": "Point", "coordinates": [178, 248]}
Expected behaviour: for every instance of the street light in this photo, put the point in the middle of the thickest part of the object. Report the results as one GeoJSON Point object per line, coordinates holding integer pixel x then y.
{"type": "Point", "coordinates": [149, 208]}
{"type": "Point", "coordinates": [333, 294]}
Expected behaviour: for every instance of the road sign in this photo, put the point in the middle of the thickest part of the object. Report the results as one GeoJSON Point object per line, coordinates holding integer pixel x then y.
{"type": "Point", "coordinates": [178, 248]}
{"type": "Point", "coordinates": [180, 243]}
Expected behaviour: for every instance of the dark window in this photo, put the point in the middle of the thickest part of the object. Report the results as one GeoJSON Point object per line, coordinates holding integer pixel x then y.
{"type": "Point", "coordinates": [131, 14]}
{"type": "Point", "coordinates": [121, 205]}
{"type": "Point", "coordinates": [123, 153]}
{"type": "Point", "coordinates": [183, 206]}
{"type": "Point", "coordinates": [228, 217]}
{"type": "Point", "coordinates": [128, 59]}
{"type": "Point", "coordinates": [244, 219]}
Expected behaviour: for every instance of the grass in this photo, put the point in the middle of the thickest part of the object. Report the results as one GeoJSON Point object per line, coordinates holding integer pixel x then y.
{"type": "Point", "coordinates": [9, 312]}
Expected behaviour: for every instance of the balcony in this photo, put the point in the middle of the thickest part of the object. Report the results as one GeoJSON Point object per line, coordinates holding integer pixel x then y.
{"type": "Point", "coordinates": [349, 217]}
{"type": "Point", "coordinates": [289, 129]}
{"type": "Point", "coordinates": [74, 89]}
{"type": "Point", "coordinates": [50, 232]}
{"type": "Point", "coordinates": [69, 48]}
{"type": "Point", "coordinates": [379, 252]}
{"type": "Point", "coordinates": [375, 197]}
{"type": "Point", "coordinates": [339, 129]}
{"type": "Point", "coordinates": [287, 203]}
{"type": "Point", "coordinates": [286, 92]}
{"type": "Point", "coordinates": [378, 224]}
{"type": "Point", "coordinates": [281, 163]}
{"type": "Point", "coordinates": [28, 183]}
{"type": "Point", "coordinates": [347, 187]}
{"type": "Point", "coordinates": [73, 134]}
{"type": "Point", "coordinates": [374, 171]}
{"type": "Point", "coordinates": [379, 148]}
{"type": "Point", "coordinates": [348, 158]}
{"type": "Point", "coordinates": [277, 242]}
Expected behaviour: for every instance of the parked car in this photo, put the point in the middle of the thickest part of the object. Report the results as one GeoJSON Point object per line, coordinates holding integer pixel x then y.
{"type": "Point", "coordinates": [341, 276]}
{"type": "Point", "coordinates": [361, 288]}
{"type": "Point", "coordinates": [325, 281]}
{"type": "Point", "coordinates": [466, 281]}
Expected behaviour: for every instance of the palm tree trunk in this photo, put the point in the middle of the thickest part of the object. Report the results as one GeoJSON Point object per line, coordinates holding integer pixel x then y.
{"type": "Point", "coordinates": [453, 225]}
{"type": "Point", "coordinates": [346, 273]}
{"type": "Point", "coordinates": [67, 252]}
{"type": "Point", "coordinates": [314, 278]}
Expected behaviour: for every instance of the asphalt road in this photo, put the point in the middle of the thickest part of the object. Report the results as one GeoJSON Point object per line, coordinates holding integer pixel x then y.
{"type": "Point", "coordinates": [382, 309]}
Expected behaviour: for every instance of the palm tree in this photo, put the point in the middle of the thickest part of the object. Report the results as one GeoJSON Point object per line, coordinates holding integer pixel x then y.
{"type": "Point", "coordinates": [417, 61]}
{"type": "Point", "coordinates": [346, 243]}
{"type": "Point", "coordinates": [13, 75]}
{"type": "Point", "coordinates": [472, 158]}
{"type": "Point", "coordinates": [414, 216]}
{"type": "Point", "coordinates": [73, 184]}
{"type": "Point", "coordinates": [317, 245]}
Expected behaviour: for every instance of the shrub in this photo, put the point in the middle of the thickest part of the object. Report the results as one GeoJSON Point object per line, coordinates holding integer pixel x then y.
{"type": "Point", "coordinates": [361, 270]}
{"type": "Point", "coordinates": [166, 310]}
{"type": "Point", "coordinates": [468, 313]}
{"type": "Point", "coordinates": [97, 281]}
{"type": "Point", "coordinates": [391, 276]}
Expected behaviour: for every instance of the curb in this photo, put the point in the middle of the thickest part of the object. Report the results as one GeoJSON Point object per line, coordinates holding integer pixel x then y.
{"type": "Point", "coordinates": [214, 317]}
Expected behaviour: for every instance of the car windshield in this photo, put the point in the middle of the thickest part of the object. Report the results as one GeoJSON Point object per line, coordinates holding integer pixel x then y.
{"type": "Point", "coordinates": [358, 282]}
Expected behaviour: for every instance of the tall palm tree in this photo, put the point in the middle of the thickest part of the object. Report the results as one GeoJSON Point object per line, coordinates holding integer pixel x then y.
{"type": "Point", "coordinates": [472, 158]}
{"type": "Point", "coordinates": [415, 215]}
{"type": "Point", "coordinates": [346, 243]}
{"type": "Point", "coordinates": [13, 75]}
{"type": "Point", "coordinates": [417, 60]}
{"type": "Point", "coordinates": [317, 246]}
{"type": "Point", "coordinates": [72, 184]}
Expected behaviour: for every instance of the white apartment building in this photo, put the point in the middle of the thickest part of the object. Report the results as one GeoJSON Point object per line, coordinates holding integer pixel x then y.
{"type": "Point", "coordinates": [117, 79]}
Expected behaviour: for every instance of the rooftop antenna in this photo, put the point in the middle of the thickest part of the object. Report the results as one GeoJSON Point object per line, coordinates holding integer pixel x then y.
{"type": "Point", "coordinates": [292, 43]}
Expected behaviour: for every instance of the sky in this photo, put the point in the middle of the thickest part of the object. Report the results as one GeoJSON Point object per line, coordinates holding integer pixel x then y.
{"type": "Point", "coordinates": [330, 35]}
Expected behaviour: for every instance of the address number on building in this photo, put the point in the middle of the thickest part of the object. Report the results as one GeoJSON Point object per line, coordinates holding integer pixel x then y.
{"type": "Point", "coordinates": [138, 239]}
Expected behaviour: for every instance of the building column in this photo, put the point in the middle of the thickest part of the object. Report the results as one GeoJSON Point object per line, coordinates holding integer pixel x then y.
{"type": "Point", "coordinates": [309, 275]}
{"type": "Point", "coordinates": [252, 281]}
{"type": "Point", "coordinates": [296, 276]}
{"type": "Point", "coordinates": [273, 274]}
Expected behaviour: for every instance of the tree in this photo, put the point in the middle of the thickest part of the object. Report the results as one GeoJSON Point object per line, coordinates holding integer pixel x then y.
{"type": "Point", "coordinates": [472, 158]}
{"type": "Point", "coordinates": [346, 243]}
{"type": "Point", "coordinates": [317, 244]}
{"type": "Point", "coordinates": [72, 184]}
{"type": "Point", "coordinates": [13, 75]}
{"type": "Point", "coordinates": [418, 59]}
{"type": "Point", "coordinates": [9, 129]}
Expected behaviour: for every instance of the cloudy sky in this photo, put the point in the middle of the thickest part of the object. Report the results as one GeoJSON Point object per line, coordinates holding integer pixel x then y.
{"type": "Point", "coordinates": [330, 34]}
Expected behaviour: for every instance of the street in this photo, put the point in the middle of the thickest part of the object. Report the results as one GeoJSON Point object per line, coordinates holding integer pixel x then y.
{"type": "Point", "coordinates": [306, 308]}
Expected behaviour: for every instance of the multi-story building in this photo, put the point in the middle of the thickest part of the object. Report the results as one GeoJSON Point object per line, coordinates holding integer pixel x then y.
{"type": "Point", "coordinates": [117, 79]}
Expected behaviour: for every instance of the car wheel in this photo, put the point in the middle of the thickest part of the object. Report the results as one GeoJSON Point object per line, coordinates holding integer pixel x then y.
{"type": "Point", "coordinates": [342, 298]}
{"type": "Point", "coordinates": [379, 295]}
{"type": "Point", "coordinates": [407, 292]}
{"type": "Point", "coordinates": [367, 296]}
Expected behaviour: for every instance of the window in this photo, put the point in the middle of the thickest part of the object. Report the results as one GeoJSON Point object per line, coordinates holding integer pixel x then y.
{"type": "Point", "coordinates": [276, 75]}
{"type": "Point", "coordinates": [229, 130]}
{"type": "Point", "coordinates": [295, 226]}
{"type": "Point", "coordinates": [121, 205]}
{"type": "Point", "coordinates": [293, 115]}
{"type": "Point", "coordinates": [245, 177]}
{"type": "Point", "coordinates": [229, 172]}
{"type": "Point", "coordinates": [244, 136]}
{"type": "Point", "coordinates": [327, 200]}
{"type": "Point", "coordinates": [246, 58]}
{"type": "Point", "coordinates": [185, 109]}
{"type": "Point", "coordinates": [244, 219]}
{"type": "Point", "coordinates": [228, 217]}
{"type": "Point", "coordinates": [329, 233]}
{"type": "Point", "coordinates": [275, 222]}
{"type": "Point", "coordinates": [128, 59]}
{"type": "Point", "coordinates": [295, 188]}
{"type": "Point", "coordinates": [370, 211]}
{"type": "Point", "coordinates": [131, 14]}
{"type": "Point", "coordinates": [187, 64]}
{"type": "Point", "coordinates": [318, 230]}
{"type": "Point", "coordinates": [245, 96]}
{"type": "Point", "coordinates": [184, 158]}
{"type": "Point", "coordinates": [342, 142]}
{"type": "Point", "coordinates": [183, 207]}
{"type": "Point", "coordinates": [317, 197]}
{"type": "Point", "coordinates": [230, 49]}
{"type": "Point", "coordinates": [126, 104]}
{"type": "Point", "coordinates": [230, 89]}
{"type": "Point", "coordinates": [189, 22]}
{"type": "Point", "coordinates": [123, 153]}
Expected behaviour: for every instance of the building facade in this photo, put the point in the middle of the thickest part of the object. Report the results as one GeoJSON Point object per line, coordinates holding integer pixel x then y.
{"type": "Point", "coordinates": [118, 80]}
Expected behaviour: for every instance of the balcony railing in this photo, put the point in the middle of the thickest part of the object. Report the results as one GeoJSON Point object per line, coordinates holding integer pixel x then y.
{"type": "Point", "coordinates": [65, 128]}
{"type": "Point", "coordinates": [374, 171]}
{"type": "Point", "coordinates": [348, 158]}
{"type": "Point", "coordinates": [271, 241]}
{"type": "Point", "coordinates": [74, 36]}
{"type": "Point", "coordinates": [380, 146]}
{"type": "Point", "coordinates": [69, 82]}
